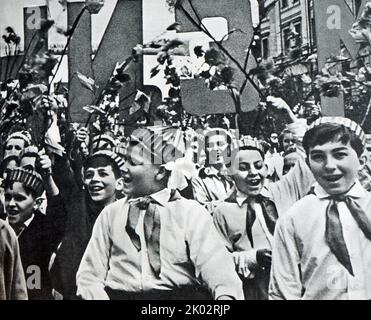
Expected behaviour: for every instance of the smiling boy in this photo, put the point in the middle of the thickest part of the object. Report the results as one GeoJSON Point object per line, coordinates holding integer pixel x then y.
{"type": "Point", "coordinates": [154, 244]}
{"type": "Point", "coordinates": [213, 184]}
{"type": "Point", "coordinates": [102, 183]}
{"type": "Point", "coordinates": [322, 246]}
{"type": "Point", "coordinates": [102, 177]}
{"type": "Point", "coordinates": [15, 143]}
{"type": "Point", "coordinates": [37, 233]}
{"type": "Point", "coordinates": [246, 219]}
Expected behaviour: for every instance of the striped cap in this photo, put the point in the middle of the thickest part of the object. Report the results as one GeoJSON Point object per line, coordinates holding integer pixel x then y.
{"type": "Point", "coordinates": [121, 149]}
{"type": "Point", "coordinates": [111, 155]}
{"type": "Point", "coordinates": [30, 179]}
{"type": "Point", "coordinates": [24, 135]}
{"type": "Point", "coordinates": [163, 143]}
{"type": "Point", "coordinates": [350, 124]}
{"type": "Point", "coordinates": [102, 141]}
{"type": "Point", "coordinates": [249, 142]}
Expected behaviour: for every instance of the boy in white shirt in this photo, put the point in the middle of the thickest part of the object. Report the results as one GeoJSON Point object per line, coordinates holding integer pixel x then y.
{"type": "Point", "coordinates": [322, 246]}
{"type": "Point", "coordinates": [154, 244]}
{"type": "Point", "coordinates": [246, 219]}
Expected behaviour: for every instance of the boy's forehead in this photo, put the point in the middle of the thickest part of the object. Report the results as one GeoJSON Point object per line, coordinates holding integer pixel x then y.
{"type": "Point", "coordinates": [15, 141]}
{"type": "Point", "coordinates": [331, 145]}
{"type": "Point", "coordinates": [288, 135]}
{"type": "Point", "coordinates": [16, 187]}
{"type": "Point", "coordinates": [108, 167]}
{"type": "Point", "coordinates": [138, 154]}
{"type": "Point", "coordinates": [217, 138]}
{"type": "Point", "coordinates": [248, 155]}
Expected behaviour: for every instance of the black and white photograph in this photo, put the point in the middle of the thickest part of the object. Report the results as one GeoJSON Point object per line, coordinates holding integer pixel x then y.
{"type": "Point", "coordinates": [201, 151]}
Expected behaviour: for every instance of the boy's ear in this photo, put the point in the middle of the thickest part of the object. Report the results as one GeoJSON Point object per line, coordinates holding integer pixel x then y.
{"type": "Point", "coordinates": [119, 184]}
{"type": "Point", "coordinates": [161, 173]}
{"type": "Point", "coordinates": [37, 203]}
{"type": "Point", "coordinates": [363, 160]}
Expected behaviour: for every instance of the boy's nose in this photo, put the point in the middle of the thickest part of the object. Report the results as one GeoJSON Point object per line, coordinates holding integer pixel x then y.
{"type": "Point", "coordinates": [253, 172]}
{"type": "Point", "coordinates": [124, 168]}
{"type": "Point", "coordinates": [11, 203]}
{"type": "Point", "coordinates": [95, 177]}
{"type": "Point", "coordinates": [330, 164]}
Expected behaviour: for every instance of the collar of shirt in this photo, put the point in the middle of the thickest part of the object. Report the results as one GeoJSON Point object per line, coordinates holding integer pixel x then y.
{"type": "Point", "coordinates": [162, 197]}
{"type": "Point", "coordinates": [211, 171]}
{"type": "Point", "coordinates": [240, 197]}
{"type": "Point", "coordinates": [357, 191]}
{"type": "Point", "coordinates": [28, 222]}
{"type": "Point", "coordinates": [25, 225]}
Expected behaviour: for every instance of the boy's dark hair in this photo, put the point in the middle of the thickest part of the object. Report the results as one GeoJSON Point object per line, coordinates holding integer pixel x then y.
{"type": "Point", "coordinates": [102, 161]}
{"type": "Point", "coordinates": [248, 148]}
{"type": "Point", "coordinates": [332, 132]}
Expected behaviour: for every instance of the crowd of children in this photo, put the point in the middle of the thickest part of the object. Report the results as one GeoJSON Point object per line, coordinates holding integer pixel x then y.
{"type": "Point", "coordinates": [155, 218]}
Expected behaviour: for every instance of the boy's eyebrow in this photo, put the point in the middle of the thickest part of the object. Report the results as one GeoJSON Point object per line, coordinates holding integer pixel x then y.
{"type": "Point", "coordinates": [340, 149]}
{"type": "Point", "coordinates": [334, 150]}
{"type": "Point", "coordinates": [315, 151]}
{"type": "Point", "coordinates": [244, 162]}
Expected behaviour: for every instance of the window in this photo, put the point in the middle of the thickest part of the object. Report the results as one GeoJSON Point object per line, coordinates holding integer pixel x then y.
{"type": "Point", "coordinates": [286, 40]}
{"type": "Point", "coordinates": [292, 36]}
{"type": "Point", "coordinates": [284, 4]}
{"type": "Point", "coordinates": [314, 35]}
{"type": "Point", "coordinates": [297, 38]}
{"type": "Point", "coordinates": [265, 48]}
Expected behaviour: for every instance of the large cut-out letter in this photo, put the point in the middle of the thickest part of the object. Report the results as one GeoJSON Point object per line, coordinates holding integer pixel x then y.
{"type": "Point", "coordinates": [196, 97]}
{"type": "Point", "coordinates": [334, 19]}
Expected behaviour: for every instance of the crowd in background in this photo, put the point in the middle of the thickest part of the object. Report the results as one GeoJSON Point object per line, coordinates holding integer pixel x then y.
{"type": "Point", "coordinates": [166, 213]}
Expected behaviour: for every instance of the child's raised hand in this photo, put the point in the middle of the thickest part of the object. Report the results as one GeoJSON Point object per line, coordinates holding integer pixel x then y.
{"type": "Point", "coordinates": [82, 134]}
{"type": "Point", "coordinates": [277, 103]}
{"type": "Point", "coordinates": [279, 106]}
{"type": "Point", "coordinates": [45, 163]}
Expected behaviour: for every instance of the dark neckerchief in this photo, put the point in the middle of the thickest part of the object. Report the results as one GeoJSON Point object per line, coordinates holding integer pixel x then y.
{"type": "Point", "coordinates": [151, 225]}
{"type": "Point", "coordinates": [268, 207]}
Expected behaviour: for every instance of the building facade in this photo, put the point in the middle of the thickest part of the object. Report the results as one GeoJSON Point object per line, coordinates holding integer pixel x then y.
{"type": "Point", "coordinates": [288, 25]}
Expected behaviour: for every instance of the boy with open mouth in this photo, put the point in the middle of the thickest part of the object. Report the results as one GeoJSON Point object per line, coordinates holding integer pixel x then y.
{"type": "Point", "coordinates": [155, 244]}
{"type": "Point", "coordinates": [37, 234]}
{"type": "Point", "coordinates": [246, 219]}
{"type": "Point", "coordinates": [321, 248]}
{"type": "Point", "coordinates": [102, 184]}
{"type": "Point", "coordinates": [212, 185]}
